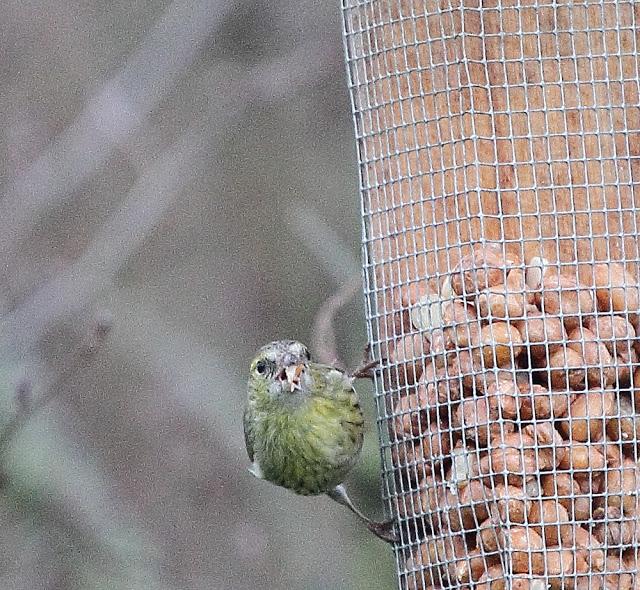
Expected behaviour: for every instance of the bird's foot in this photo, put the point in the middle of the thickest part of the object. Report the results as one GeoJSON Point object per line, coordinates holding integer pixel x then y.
{"type": "Point", "coordinates": [384, 530]}
{"type": "Point", "coordinates": [368, 368]}
{"type": "Point", "coordinates": [367, 371]}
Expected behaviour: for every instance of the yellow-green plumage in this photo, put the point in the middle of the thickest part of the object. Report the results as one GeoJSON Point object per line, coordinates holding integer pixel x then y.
{"type": "Point", "coordinates": [310, 443]}
{"type": "Point", "coordinates": [303, 426]}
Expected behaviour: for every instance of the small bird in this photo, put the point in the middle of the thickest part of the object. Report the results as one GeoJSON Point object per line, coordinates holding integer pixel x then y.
{"type": "Point", "coordinates": [303, 426]}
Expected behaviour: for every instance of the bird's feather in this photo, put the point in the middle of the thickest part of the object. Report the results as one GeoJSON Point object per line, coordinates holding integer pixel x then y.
{"type": "Point", "coordinates": [307, 441]}
{"type": "Point", "coordinates": [247, 423]}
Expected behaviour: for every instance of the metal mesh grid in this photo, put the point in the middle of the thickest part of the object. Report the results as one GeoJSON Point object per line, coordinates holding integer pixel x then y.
{"type": "Point", "coordinates": [499, 152]}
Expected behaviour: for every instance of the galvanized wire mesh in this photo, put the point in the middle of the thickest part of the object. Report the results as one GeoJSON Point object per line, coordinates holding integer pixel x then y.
{"type": "Point", "coordinates": [499, 149]}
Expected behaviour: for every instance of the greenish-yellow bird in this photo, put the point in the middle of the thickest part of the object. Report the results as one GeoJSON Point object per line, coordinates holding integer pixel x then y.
{"type": "Point", "coordinates": [303, 425]}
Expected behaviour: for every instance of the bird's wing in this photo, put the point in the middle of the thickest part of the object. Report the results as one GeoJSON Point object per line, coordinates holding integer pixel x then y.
{"type": "Point", "coordinates": [247, 423]}
{"type": "Point", "coordinates": [335, 379]}
{"type": "Point", "coordinates": [338, 384]}
{"type": "Point", "coordinates": [325, 368]}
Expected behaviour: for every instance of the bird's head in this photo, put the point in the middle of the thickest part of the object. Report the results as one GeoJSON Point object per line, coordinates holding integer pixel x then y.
{"type": "Point", "coordinates": [281, 366]}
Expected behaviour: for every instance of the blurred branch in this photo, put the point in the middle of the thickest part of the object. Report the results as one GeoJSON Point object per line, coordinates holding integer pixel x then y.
{"type": "Point", "coordinates": [160, 184]}
{"type": "Point", "coordinates": [339, 262]}
{"type": "Point", "coordinates": [323, 242]}
{"type": "Point", "coordinates": [323, 334]}
{"type": "Point", "coordinates": [158, 187]}
{"type": "Point", "coordinates": [76, 360]}
{"type": "Point", "coordinates": [125, 101]}
{"type": "Point", "coordinates": [182, 363]}
{"type": "Point", "coordinates": [298, 71]}
{"type": "Point", "coordinates": [118, 108]}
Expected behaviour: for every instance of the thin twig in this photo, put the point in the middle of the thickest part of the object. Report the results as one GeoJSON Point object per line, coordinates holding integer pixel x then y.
{"type": "Point", "coordinates": [76, 360]}
{"type": "Point", "coordinates": [323, 334]}
{"type": "Point", "coordinates": [24, 396]}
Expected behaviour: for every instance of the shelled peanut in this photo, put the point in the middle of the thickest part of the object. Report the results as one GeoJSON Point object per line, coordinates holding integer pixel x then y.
{"type": "Point", "coordinates": [433, 562]}
{"type": "Point", "coordinates": [517, 422]}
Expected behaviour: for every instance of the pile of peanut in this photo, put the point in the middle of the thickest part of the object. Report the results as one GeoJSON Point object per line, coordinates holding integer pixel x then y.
{"type": "Point", "coordinates": [515, 433]}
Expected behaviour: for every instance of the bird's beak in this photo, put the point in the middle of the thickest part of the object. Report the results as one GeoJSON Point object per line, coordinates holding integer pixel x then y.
{"type": "Point", "coordinates": [293, 373]}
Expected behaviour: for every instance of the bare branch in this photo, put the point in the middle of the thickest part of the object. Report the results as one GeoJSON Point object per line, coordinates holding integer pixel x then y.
{"type": "Point", "coordinates": [338, 260]}
{"type": "Point", "coordinates": [157, 189]}
{"type": "Point", "coordinates": [323, 336]}
{"type": "Point", "coordinates": [117, 110]}
{"type": "Point", "coordinates": [23, 397]}
{"type": "Point", "coordinates": [77, 359]}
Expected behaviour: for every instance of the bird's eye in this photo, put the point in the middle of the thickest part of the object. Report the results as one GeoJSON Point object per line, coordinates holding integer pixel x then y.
{"type": "Point", "coordinates": [261, 367]}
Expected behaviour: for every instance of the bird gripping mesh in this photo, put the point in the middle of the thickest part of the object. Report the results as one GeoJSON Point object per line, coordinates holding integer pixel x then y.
{"type": "Point", "coordinates": [499, 159]}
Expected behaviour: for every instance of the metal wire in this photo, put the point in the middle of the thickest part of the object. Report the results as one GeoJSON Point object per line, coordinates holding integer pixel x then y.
{"type": "Point", "coordinates": [498, 147]}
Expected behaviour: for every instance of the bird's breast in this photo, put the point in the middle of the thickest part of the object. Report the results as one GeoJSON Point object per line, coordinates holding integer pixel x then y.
{"type": "Point", "coordinates": [312, 449]}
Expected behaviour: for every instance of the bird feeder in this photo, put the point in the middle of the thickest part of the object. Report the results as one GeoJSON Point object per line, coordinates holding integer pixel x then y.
{"type": "Point", "coordinates": [499, 164]}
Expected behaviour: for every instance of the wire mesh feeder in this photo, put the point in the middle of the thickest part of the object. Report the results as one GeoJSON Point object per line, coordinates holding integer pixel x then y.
{"type": "Point", "coordinates": [499, 152]}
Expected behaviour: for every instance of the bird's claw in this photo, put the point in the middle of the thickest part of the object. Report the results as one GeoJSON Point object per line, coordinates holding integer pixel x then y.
{"type": "Point", "coordinates": [366, 371]}
{"type": "Point", "coordinates": [384, 530]}
{"type": "Point", "coordinates": [368, 368]}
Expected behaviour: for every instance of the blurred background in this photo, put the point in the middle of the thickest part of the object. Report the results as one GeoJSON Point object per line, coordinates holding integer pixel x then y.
{"type": "Point", "coordinates": [183, 173]}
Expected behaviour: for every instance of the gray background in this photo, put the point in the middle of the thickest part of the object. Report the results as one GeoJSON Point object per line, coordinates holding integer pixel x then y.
{"type": "Point", "coordinates": [187, 169]}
